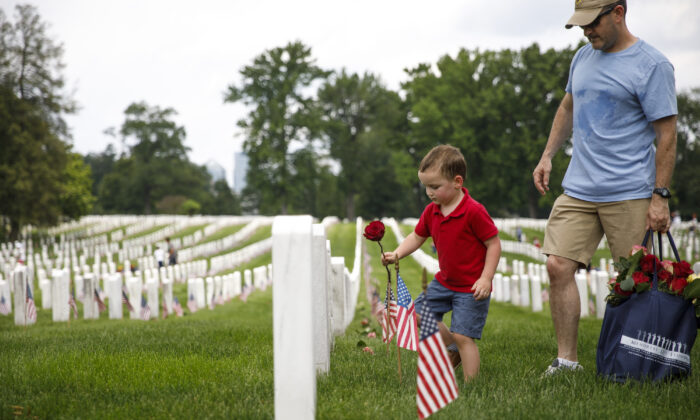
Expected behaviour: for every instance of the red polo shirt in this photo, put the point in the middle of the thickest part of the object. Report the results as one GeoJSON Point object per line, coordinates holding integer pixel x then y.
{"type": "Point", "coordinates": [459, 240]}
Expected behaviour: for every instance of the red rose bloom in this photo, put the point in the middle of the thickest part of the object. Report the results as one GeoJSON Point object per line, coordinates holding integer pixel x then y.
{"type": "Point", "coordinates": [647, 263]}
{"type": "Point", "coordinates": [639, 277]}
{"type": "Point", "coordinates": [678, 284]}
{"type": "Point", "coordinates": [374, 231]}
{"type": "Point", "coordinates": [682, 269]}
{"type": "Point", "coordinates": [664, 275]}
{"type": "Point", "coordinates": [621, 292]}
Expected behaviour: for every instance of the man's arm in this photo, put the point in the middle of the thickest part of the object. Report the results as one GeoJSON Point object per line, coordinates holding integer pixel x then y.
{"type": "Point", "coordinates": [561, 130]}
{"type": "Point", "coordinates": [658, 215]}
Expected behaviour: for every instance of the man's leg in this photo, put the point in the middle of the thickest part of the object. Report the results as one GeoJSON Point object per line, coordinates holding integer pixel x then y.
{"type": "Point", "coordinates": [565, 305]}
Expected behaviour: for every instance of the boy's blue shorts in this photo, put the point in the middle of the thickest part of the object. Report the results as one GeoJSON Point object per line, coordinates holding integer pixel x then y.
{"type": "Point", "coordinates": [468, 314]}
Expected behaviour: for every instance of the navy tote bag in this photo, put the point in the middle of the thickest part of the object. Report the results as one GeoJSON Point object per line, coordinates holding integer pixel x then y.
{"type": "Point", "coordinates": [649, 336]}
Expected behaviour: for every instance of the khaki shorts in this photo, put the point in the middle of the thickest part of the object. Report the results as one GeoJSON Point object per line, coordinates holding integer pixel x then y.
{"type": "Point", "coordinates": [575, 227]}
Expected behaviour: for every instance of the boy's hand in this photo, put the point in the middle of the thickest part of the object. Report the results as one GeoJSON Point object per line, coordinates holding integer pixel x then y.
{"type": "Point", "coordinates": [482, 288]}
{"type": "Point", "coordinates": [389, 258]}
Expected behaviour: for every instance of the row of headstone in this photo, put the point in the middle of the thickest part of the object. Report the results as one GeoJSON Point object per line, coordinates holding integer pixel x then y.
{"type": "Point", "coordinates": [228, 242]}
{"type": "Point", "coordinates": [316, 294]}
{"type": "Point", "coordinates": [234, 259]}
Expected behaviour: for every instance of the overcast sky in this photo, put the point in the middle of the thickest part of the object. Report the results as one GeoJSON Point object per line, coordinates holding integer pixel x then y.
{"type": "Point", "coordinates": [184, 54]}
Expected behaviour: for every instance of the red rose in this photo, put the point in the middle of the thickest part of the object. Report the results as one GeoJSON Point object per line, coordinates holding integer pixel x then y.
{"type": "Point", "coordinates": [639, 277]}
{"type": "Point", "coordinates": [647, 263]}
{"type": "Point", "coordinates": [682, 269]}
{"type": "Point", "coordinates": [622, 292]}
{"type": "Point", "coordinates": [374, 231]}
{"type": "Point", "coordinates": [678, 284]}
{"type": "Point", "coordinates": [664, 275]}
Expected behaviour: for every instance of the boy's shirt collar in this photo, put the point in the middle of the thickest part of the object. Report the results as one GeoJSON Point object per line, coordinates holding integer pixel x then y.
{"type": "Point", "coordinates": [458, 211]}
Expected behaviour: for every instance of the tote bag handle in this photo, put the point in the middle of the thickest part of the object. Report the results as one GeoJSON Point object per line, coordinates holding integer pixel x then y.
{"type": "Point", "coordinates": [670, 241]}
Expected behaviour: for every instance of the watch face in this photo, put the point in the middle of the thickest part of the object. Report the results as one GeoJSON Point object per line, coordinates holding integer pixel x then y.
{"type": "Point", "coordinates": [663, 192]}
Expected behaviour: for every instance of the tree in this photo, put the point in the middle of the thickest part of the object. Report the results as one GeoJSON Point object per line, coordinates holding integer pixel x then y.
{"type": "Point", "coordinates": [225, 201]}
{"type": "Point", "coordinates": [76, 197]}
{"type": "Point", "coordinates": [275, 86]}
{"type": "Point", "coordinates": [100, 165]}
{"type": "Point", "coordinates": [32, 162]}
{"type": "Point", "coordinates": [31, 66]}
{"type": "Point", "coordinates": [686, 177]}
{"type": "Point", "coordinates": [497, 107]}
{"type": "Point", "coordinates": [354, 110]}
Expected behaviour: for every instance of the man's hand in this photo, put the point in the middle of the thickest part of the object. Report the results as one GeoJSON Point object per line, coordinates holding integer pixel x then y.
{"type": "Point", "coordinates": [482, 288]}
{"type": "Point", "coordinates": [541, 175]}
{"type": "Point", "coordinates": [658, 215]}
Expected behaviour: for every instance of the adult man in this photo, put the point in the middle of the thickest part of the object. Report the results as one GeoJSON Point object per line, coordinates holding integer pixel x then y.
{"type": "Point", "coordinates": [620, 97]}
{"type": "Point", "coordinates": [172, 253]}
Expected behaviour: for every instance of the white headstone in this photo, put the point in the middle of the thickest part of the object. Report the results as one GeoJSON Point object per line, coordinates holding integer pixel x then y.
{"type": "Point", "coordinates": [90, 310]}
{"type": "Point", "coordinates": [524, 289]}
{"type": "Point", "coordinates": [45, 286]}
{"type": "Point", "coordinates": [536, 293]}
{"type": "Point", "coordinates": [294, 369]}
{"type": "Point", "coordinates": [19, 279]}
{"type": "Point", "coordinates": [322, 326]}
{"type": "Point", "coordinates": [505, 292]}
{"type": "Point", "coordinates": [199, 294]}
{"type": "Point", "coordinates": [582, 285]}
{"type": "Point", "coordinates": [515, 289]}
{"type": "Point", "coordinates": [135, 286]}
{"type": "Point", "coordinates": [498, 287]}
{"type": "Point", "coordinates": [601, 294]}
{"type": "Point", "coordinates": [168, 295]}
{"type": "Point", "coordinates": [60, 295]}
{"type": "Point", "coordinates": [113, 287]}
{"type": "Point", "coordinates": [152, 297]}
{"type": "Point", "coordinates": [5, 293]}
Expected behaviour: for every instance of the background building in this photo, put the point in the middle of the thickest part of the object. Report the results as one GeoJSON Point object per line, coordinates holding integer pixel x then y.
{"type": "Point", "coordinates": [216, 171]}
{"type": "Point", "coordinates": [240, 168]}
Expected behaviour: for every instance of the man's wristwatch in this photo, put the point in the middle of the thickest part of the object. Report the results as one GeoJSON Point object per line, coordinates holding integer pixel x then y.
{"type": "Point", "coordinates": [663, 192]}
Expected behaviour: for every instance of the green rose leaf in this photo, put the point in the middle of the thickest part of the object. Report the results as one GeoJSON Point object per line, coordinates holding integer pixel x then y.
{"type": "Point", "coordinates": [627, 284]}
{"type": "Point", "coordinates": [692, 290]}
{"type": "Point", "coordinates": [642, 287]}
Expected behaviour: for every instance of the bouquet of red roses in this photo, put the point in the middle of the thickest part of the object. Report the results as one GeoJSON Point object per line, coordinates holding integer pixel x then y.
{"type": "Point", "coordinates": [635, 275]}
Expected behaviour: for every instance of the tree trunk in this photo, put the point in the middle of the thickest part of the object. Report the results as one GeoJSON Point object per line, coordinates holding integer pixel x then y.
{"type": "Point", "coordinates": [350, 206]}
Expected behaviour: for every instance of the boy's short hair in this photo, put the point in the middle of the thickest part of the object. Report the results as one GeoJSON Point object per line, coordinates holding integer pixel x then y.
{"type": "Point", "coordinates": [448, 159]}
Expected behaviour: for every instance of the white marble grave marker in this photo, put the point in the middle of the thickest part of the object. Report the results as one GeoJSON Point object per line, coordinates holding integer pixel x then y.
{"type": "Point", "coordinates": [294, 369]}
{"type": "Point", "coordinates": [61, 295]}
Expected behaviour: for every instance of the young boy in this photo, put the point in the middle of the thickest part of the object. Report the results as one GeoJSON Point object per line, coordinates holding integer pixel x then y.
{"type": "Point", "coordinates": [468, 251]}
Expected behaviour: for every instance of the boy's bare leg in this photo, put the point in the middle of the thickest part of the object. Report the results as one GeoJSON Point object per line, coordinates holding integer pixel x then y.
{"type": "Point", "coordinates": [470, 355]}
{"type": "Point", "coordinates": [445, 334]}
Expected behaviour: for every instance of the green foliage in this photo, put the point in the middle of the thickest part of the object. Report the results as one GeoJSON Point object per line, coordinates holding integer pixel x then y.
{"type": "Point", "coordinates": [686, 178]}
{"type": "Point", "coordinates": [190, 207]}
{"type": "Point", "coordinates": [225, 201]}
{"type": "Point", "coordinates": [156, 172]}
{"type": "Point", "coordinates": [32, 162]}
{"type": "Point", "coordinates": [76, 198]}
{"type": "Point", "coordinates": [497, 107]}
{"type": "Point", "coordinates": [275, 87]}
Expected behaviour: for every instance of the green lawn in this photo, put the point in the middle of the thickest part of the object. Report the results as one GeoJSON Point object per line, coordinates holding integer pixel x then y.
{"type": "Point", "coordinates": [219, 364]}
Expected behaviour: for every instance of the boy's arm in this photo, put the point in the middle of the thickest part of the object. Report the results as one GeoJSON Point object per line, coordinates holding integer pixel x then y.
{"type": "Point", "coordinates": [407, 247]}
{"type": "Point", "coordinates": [482, 287]}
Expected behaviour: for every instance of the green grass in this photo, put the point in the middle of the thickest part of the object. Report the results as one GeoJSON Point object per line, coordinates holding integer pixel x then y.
{"type": "Point", "coordinates": [219, 364]}
{"type": "Point", "coordinates": [221, 233]}
{"type": "Point", "coordinates": [190, 230]}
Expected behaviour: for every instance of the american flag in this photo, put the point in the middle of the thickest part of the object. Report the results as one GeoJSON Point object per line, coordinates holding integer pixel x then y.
{"type": "Point", "coordinates": [388, 318]}
{"type": "Point", "coordinates": [191, 303]}
{"type": "Point", "coordinates": [436, 384]}
{"type": "Point", "coordinates": [72, 304]}
{"type": "Point", "coordinates": [407, 332]}
{"type": "Point", "coordinates": [31, 308]}
{"type": "Point", "coordinates": [165, 310]}
{"type": "Point", "coordinates": [125, 299]}
{"type": "Point", "coordinates": [145, 309]}
{"type": "Point", "coordinates": [4, 309]}
{"type": "Point", "coordinates": [100, 304]}
{"type": "Point", "coordinates": [177, 307]}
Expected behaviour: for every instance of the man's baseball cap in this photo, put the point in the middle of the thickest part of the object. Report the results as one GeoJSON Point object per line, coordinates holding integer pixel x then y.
{"type": "Point", "coordinates": [586, 11]}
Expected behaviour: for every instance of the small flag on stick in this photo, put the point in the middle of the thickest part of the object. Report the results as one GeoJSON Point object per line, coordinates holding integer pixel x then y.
{"type": "Point", "coordinates": [436, 384]}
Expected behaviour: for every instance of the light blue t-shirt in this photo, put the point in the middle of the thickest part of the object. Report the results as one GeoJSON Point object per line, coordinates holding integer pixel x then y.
{"type": "Point", "coordinates": [616, 97]}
